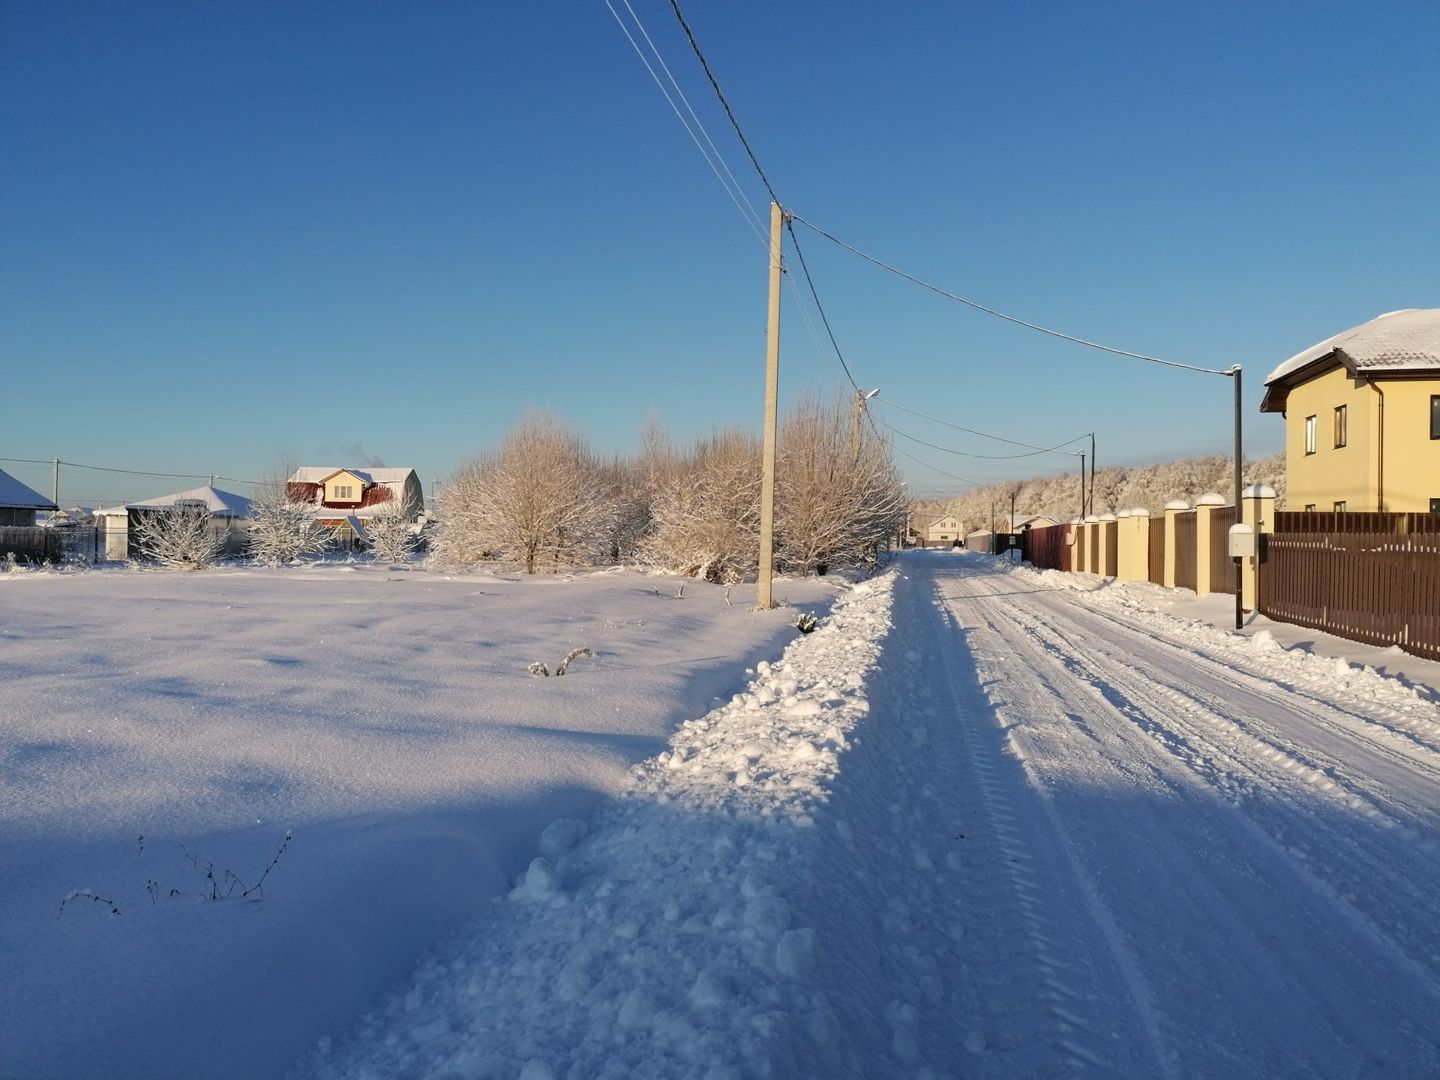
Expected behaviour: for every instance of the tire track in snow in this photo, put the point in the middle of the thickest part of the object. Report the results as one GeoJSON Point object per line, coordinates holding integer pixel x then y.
{"type": "Point", "coordinates": [1057, 994]}
{"type": "Point", "coordinates": [1090, 735]}
{"type": "Point", "coordinates": [1256, 775]}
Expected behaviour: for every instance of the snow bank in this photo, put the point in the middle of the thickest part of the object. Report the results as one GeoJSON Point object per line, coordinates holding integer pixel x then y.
{"type": "Point", "coordinates": [667, 941]}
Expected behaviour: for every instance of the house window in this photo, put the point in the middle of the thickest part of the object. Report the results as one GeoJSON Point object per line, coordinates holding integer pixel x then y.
{"type": "Point", "coordinates": [1309, 434]}
{"type": "Point", "coordinates": [1435, 416]}
{"type": "Point", "coordinates": [1435, 506]}
{"type": "Point", "coordinates": [344, 491]}
{"type": "Point", "coordinates": [1309, 506]}
{"type": "Point", "coordinates": [1339, 506]}
{"type": "Point", "coordinates": [1339, 426]}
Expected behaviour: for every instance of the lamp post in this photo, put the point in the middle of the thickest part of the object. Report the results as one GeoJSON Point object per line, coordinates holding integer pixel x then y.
{"type": "Point", "coordinates": [861, 397]}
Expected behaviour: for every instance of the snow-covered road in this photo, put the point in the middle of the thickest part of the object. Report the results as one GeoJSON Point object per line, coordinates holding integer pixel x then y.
{"type": "Point", "coordinates": [1199, 869]}
{"type": "Point", "coordinates": [985, 822]}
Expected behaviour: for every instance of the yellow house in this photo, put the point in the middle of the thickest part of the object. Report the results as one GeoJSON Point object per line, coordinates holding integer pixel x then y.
{"type": "Point", "coordinates": [1362, 417]}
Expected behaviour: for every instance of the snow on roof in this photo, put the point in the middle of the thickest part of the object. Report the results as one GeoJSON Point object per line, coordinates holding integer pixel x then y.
{"type": "Point", "coordinates": [15, 494]}
{"type": "Point", "coordinates": [318, 474]}
{"type": "Point", "coordinates": [224, 503]}
{"type": "Point", "coordinates": [1407, 340]}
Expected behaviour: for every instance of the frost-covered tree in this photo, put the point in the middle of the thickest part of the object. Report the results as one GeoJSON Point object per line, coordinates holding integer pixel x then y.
{"type": "Point", "coordinates": [706, 509]}
{"type": "Point", "coordinates": [184, 535]}
{"type": "Point", "coordinates": [1150, 486]}
{"type": "Point", "coordinates": [391, 532]}
{"type": "Point", "coordinates": [838, 496]}
{"type": "Point", "coordinates": [539, 499]}
{"type": "Point", "coordinates": [283, 529]}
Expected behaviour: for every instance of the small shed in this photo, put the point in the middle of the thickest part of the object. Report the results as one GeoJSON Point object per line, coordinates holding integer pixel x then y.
{"type": "Point", "coordinates": [230, 513]}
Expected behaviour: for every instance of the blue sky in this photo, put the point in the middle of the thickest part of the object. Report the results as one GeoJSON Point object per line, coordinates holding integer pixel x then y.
{"type": "Point", "coordinates": [363, 232]}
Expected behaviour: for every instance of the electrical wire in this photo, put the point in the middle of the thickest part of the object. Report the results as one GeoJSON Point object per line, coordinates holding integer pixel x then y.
{"type": "Point", "coordinates": [695, 46]}
{"type": "Point", "coordinates": [751, 216]}
{"type": "Point", "coordinates": [933, 468]}
{"type": "Point", "coordinates": [985, 435]}
{"type": "Point", "coordinates": [754, 216]}
{"type": "Point", "coordinates": [983, 457]}
{"type": "Point", "coordinates": [1001, 315]}
{"type": "Point", "coordinates": [821, 308]}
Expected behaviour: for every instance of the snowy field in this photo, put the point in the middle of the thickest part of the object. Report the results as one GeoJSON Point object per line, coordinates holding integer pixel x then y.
{"type": "Point", "coordinates": [386, 717]}
{"type": "Point", "coordinates": [984, 822]}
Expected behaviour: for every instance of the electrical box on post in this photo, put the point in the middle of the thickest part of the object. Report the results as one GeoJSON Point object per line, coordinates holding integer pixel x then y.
{"type": "Point", "coordinates": [1242, 541]}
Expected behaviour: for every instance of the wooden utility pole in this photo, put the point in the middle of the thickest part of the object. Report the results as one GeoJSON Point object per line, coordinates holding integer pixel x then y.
{"type": "Point", "coordinates": [764, 599]}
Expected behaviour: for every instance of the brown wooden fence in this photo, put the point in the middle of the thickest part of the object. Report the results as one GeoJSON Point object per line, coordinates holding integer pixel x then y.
{"type": "Point", "coordinates": [1185, 541]}
{"type": "Point", "coordinates": [32, 544]}
{"type": "Point", "coordinates": [1157, 550]}
{"type": "Point", "coordinates": [1048, 548]}
{"type": "Point", "coordinates": [1222, 567]}
{"type": "Point", "coordinates": [1368, 577]}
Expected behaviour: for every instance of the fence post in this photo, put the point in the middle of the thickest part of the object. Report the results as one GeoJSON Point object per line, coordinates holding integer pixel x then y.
{"type": "Point", "coordinates": [1258, 511]}
{"type": "Point", "coordinates": [1123, 547]}
{"type": "Point", "coordinates": [1204, 537]}
{"type": "Point", "coordinates": [1172, 508]}
{"type": "Point", "coordinates": [1135, 544]}
{"type": "Point", "coordinates": [1092, 523]}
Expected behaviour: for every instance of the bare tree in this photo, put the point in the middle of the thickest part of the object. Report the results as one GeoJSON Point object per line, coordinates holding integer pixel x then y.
{"type": "Point", "coordinates": [838, 496]}
{"type": "Point", "coordinates": [539, 500]}
{"type": "Point", "coordinates": [283, 529]}
{"type": "Point", "coordinates": [706, 509]}
{"type": "Point", "coordinates": [391, 531]}
{"type": "Point", "coordinates": [185, 535]}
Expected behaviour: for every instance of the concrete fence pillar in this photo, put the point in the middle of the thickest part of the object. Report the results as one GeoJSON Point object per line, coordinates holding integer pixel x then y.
{"type": "Point", "coordinates": [1257, 509]}
{"type": "Point", "coordinates": [1205, 539]}
{"type": "Point", "coordinates": [1172, 509]}
{"type": "Point", "coordinates": [1134, 544]}
{"type": "Point", "coordinates": [1108, 546]}
{"type": "Point", "coordinates": [1122, 545]}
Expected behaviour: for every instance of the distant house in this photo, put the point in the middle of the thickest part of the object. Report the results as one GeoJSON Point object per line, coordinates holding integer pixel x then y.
{"type": "Point", "coordinates": [1021, 522]}
{"type": "Point", "coordinates": [230, 514]}
{"type": "Point", "coordinates": [942, 532]}
{"type": "Point", "coordinates": [1362, 417]}
{"type": "Point", "coordinates": [346, 499]}
{"type": "Point", "coordinates": [18, 503]}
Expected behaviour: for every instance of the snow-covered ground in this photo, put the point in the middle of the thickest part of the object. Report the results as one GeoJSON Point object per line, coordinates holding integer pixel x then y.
{"type": "Point", "coordinates": [386, 717]}
{"type": "Point", "coordinates": [985, 821]}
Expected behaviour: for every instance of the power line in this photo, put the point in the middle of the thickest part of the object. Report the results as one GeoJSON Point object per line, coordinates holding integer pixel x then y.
{"type": "Point", "coordinates": [983, 457]}
{"type": "Point", "coordinates": [129, 472]}
{"type": "Point", "coordinates": [1000, 314]}
{"type": "Point", "coordinates": [933, 468]}
{"type": "Point", "coordinates": [754, 213]}
{"type": "Point", "coordinates": [695, 45]}
{"type": "Point", "coordinates": [820, 307]}
{"type": "Point", "coordinates": [752, 218]}
{"type": "Point", "coordinates": [982, 434]}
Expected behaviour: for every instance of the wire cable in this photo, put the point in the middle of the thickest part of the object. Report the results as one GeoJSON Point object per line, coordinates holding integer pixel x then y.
{"type": "Point", "coordinates": [982, 434]}
{"type": "Point", "coordinates": [695, 45]}
{"type": "Point", "coordinates": [983, 457]}
{"type": "Point", "coordinates": [1001, 315]}
{"type": "Point", "coordinates": [755, 216]}
{"type": "Point", "coordinates": [821, 308]}
{"type": "Point", "coordinates": [933, 468]}
{"type": "Point", "coordinates": [749, 216]}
